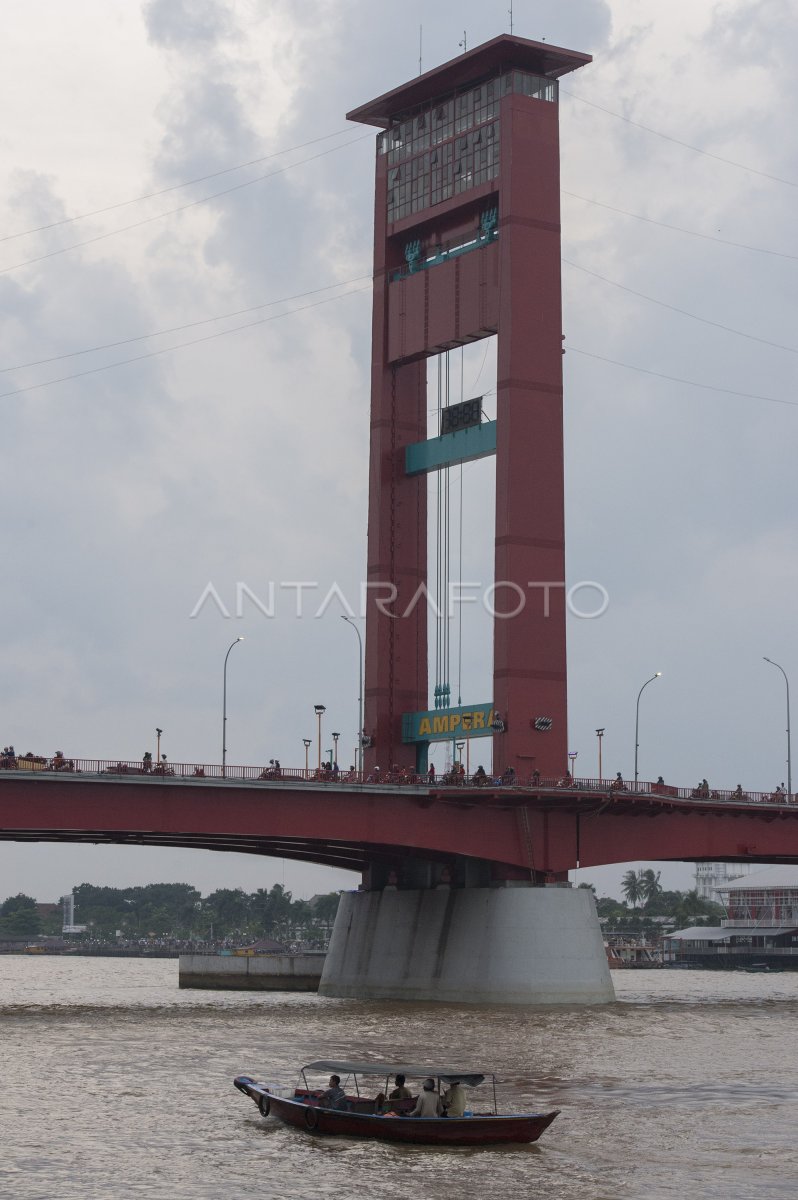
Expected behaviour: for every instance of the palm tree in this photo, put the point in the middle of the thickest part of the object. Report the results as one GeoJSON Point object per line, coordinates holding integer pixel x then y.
{"type": "Point", "coordinates": [650, 885]}
{"type": "Point", "coordinates": [632, 887]}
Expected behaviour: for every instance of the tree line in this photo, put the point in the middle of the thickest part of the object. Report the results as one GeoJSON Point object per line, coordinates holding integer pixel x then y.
{"type": "Point", "coordinates": [178, 911]}
{"type": "Point", "coordinates": [645, 899]}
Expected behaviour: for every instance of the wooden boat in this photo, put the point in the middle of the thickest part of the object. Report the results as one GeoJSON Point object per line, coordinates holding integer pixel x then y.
{"type": "Point", "coordinates": [369, 1114]}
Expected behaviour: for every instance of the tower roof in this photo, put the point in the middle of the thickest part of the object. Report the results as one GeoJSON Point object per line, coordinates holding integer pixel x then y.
{"type": "Point", "coordinates": [500, 54]}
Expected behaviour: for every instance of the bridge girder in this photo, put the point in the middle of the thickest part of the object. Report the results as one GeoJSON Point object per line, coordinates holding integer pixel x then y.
{"type": "Point", "coordinates": [353, 827]}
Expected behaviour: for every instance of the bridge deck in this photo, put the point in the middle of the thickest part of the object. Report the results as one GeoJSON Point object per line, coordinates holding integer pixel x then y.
{"type": "Point", "coordinates": [527, 827]}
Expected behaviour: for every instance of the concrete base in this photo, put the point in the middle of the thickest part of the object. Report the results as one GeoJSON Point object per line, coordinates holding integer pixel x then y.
{"type": "Point", "coordinates": [513, 945]}
{"type": "Point", "coordinates": [251, 972]}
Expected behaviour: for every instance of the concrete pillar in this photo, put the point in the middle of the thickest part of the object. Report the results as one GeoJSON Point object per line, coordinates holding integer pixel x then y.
{"type": "Point", "coordinates": [506, 945]}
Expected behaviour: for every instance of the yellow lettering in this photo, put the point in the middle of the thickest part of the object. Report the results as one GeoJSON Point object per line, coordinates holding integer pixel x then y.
{"type": "Point", "coordinates": [454, 721]}
{"type": "Point", "coordinates": [440, 725]}
{"type": "Point", "coordinates": [424, 726]}
{"type": "Point", "coordinates": [479, 720]}
{"type": "Point", "coordinates": [467, 721]}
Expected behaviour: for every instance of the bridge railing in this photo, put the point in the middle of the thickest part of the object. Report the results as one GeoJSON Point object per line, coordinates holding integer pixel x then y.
{"type": "Point", "coordinates": [393, 778]}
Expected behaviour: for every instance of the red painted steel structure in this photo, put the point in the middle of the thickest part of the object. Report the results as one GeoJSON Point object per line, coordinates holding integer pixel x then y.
{"type": "Point", "coordinates": [511, 832]}
{"type": "Point", "coordinates": [435, 188]}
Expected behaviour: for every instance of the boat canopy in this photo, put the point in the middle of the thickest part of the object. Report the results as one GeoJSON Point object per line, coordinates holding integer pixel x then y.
{"type": "Point", "coordinates": [445, 1074]}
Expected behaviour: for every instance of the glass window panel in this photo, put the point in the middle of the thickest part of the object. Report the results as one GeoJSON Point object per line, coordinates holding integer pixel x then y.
{"type": "Point", "coordinates": [465, 112]}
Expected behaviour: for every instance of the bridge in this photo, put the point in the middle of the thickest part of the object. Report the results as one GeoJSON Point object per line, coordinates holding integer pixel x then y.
{"type": "Point", "coordinates": [475, 832]}
{"type": "Point", "coordinates": [464, 885]}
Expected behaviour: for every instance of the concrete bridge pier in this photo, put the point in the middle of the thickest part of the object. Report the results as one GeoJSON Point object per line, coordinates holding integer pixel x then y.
{"type": "Point", "coordinates": [510, 944]}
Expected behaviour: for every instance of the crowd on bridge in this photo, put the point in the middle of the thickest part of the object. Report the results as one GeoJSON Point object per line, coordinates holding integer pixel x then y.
{"type": "Point", "coordinates": [11, 761]}
{"type": "Point", "coordinates": [329, 772]}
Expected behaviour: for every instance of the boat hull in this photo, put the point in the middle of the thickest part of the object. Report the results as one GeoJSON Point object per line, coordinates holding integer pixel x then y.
{"type": "Point", "coordinates": [479, 1130]}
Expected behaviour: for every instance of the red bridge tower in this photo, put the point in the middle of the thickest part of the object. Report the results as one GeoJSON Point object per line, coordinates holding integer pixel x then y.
{"type": "Point", "coordinates": [466, 245]}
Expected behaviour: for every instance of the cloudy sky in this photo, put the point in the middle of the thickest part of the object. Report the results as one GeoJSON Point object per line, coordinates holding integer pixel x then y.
{"type": "Point", "coordinates": [184, 343]}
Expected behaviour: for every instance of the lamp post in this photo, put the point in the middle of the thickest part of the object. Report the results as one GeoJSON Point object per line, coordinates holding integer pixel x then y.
{"type": "Point", "coordinates": [350, 621]}
{"type": "Point", "coordinates": [600, 735]}
{"type": "Point", "coordinates": [637, 716]}
{"type": "Point", "coordinates": [319, 710]}
{"type": "Point", "coordinates": [335, 737]}
{"type": "Point", "coordinates": [789, 752]}
{"type": "Point", "coordinates": [158, 733]}
{"type": "Point", "coordinates": [306, 743]}
{"type": "Point", "coordinates": [460, 746]}
{"type": "Point", "coordinates": [224, 705]}
{"type": "Point", "coordinates": [572, 756]}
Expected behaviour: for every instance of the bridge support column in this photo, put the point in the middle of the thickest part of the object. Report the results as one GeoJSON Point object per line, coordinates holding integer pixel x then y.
{"type": "Point", "coordinates": [505, 945]}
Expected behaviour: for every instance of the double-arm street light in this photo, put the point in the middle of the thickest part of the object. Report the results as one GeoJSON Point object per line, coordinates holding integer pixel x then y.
{"type": "Point", "coordinates": [637, 717]}
{"type": "Point", "coordinates": [789, 753]}
{"type": "Point", "coordinates": [319, 710]}
{"type": "Point", "coordinates": [224, 705]}
{"type": "Point", "coordinates": [350, 621]}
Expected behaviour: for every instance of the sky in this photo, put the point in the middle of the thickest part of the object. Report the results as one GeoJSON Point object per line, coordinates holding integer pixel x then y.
{"type": "Point", "coordinates": [184, 380]}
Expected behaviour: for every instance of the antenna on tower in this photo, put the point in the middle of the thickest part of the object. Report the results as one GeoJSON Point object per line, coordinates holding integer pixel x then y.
{"type": "Point", "coordinates": [511, 16]}
{"type": "Point", "coordinates": [464, 42]}
{"type": "Point", "coordinates": [420, 45]}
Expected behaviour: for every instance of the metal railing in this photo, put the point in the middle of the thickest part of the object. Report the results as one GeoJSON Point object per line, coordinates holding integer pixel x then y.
{"type": "Point", "coordinates": [396, 777]}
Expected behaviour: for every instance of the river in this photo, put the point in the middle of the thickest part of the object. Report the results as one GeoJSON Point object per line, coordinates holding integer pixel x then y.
{"type": "Point", "coordinates": [114, 1083]}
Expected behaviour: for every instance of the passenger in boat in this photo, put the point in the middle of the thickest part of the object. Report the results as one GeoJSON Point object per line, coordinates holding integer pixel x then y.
{"type": "Point", "coordinates": [454, 1099]}
{"type": "Point", "coordinates": [335, 1096]}
{"type": "Point", "coordinates": [428, 1103]}
{"type": "Point", "coordinates": [400, 1092]}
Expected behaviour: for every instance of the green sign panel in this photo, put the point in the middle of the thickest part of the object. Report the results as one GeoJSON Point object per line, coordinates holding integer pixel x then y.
{"type": "Point", "coordinates": [444, 724]}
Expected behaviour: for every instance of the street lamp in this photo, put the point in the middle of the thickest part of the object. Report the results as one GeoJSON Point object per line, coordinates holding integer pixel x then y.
{"type": "Point", "coordinates": [319, 710]}
{"type": "Point", "coordinates": [350, 621]}
{"type": "Point", "coordinates": [637, 716]}
{"type": "Point", "coordinates": [460, 746]}
{"type": "Point", "coordinates": [158, 733]}
{"type": "Point", "coordinates": [572, 755]}
{"type": "Point", "coordinates": [789, 753]}
{"type": "Point", "coordinates": [335, 737]}
{"type": "Point", "coordinates": [600, 735]}
{"type": "Point", "coordinates": [306, 743]}
{"type": "Point", "coordinates": [224, 705]}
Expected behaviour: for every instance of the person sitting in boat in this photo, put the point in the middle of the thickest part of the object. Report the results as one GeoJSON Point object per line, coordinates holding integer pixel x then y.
{"type": "Point", "coordinates": [335, 1096]}
{"type": "Point", "coordinates": [454, 1099]}
{"type": "Point", "coordinates": [400, 1092]}
{"type": "Point", "coordinates": [428, 1103]}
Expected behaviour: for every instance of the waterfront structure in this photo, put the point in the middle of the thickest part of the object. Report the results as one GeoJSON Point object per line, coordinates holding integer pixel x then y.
{"type": "Point", "coordinates": [760, 927]}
